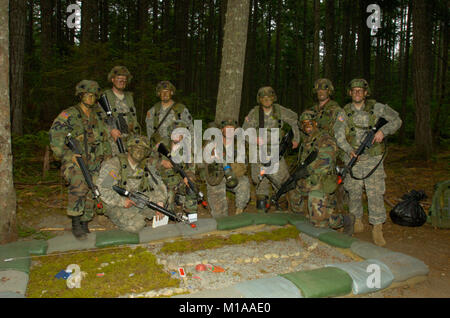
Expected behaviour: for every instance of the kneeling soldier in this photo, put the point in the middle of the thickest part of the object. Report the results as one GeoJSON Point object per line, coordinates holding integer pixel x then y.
{"type": "Point", "coordinates": [321, 182]}
{"type": "Point", "coordinates": [133, 171]}
{"type": "Point", "coordinates": [223, 177]}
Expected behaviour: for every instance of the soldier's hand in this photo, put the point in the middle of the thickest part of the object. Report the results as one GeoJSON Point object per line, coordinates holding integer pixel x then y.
{"type": "Point", "coordinates": [159, 215]}
{"type": "Point", "coordinates": [294, 144]}
{"type": "Point", "coordinates": [115, 133]}
{"type": "Point", "coordinates": [128, 203]}
{"type": "Point", "coordinates": [74, 159]}
{"type": "Point", "coordinates": [166, 164]}
{"type": "Point", "coordinates": [379, 136]}
{"type": "Point", "coordinates": [185, 180]}
{"type": "Point", "coordinates": [353, 155]}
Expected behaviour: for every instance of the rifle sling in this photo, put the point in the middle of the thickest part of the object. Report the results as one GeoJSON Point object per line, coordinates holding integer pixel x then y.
{"type": "Point", "coordinates": [165, 117]}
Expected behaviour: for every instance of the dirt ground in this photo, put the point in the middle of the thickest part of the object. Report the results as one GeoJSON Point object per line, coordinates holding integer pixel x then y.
{"type": "Point", "coordinates": [41, 214]}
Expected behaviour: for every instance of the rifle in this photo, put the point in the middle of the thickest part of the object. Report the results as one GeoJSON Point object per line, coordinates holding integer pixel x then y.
{"type": "Point", "coordinates": [143, 201]}
{"type": "Point", "coordinates": [366, 143]}
{"type": "Point", "coordinates": [72, 144]}
{"type": "Point", "coordinates": [165, 152]}
{"type": "Point", "coordinates": [299, 173]}
{"type": "Point", "coordinates": [112, 122]}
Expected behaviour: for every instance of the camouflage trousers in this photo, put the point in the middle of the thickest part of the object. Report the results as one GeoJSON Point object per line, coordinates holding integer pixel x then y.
{"type": "Point", "coordinates": [375, 188]}
{"type": "Point", "coordinates": [79, 202]}
{"type": "Point", "coordinates": [321, 207]}
{"type": "Point", "coordinates": [217, 196]}
{"type": "Point", "coordinates": [178, 197]}
{"type": "Point", "coordinates": [129, 219]}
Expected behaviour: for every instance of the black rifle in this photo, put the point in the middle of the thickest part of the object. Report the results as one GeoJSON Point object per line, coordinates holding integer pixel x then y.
{"type": "Point", "coordinates": [366, 143]}
{"type": "Point", "coordinates": [299, 173]}
{"type": "Point", "coordinates": [165, 152]}
{"type": "Point", "coordinates": [143, 201]}
{"type": "Point", "coordinates": [112, 122]}
{"type": "Point", "coordinates": [73, 145]}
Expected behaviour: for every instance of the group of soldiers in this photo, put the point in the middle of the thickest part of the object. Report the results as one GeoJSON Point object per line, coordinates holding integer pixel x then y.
{"type": "Point", "coordinates": [331, 132]}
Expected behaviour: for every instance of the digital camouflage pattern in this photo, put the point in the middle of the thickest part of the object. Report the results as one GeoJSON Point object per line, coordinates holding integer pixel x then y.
{"type": "Point", "coordinates": [144, 178]}
{"type": "Point", "coordinates": [350, 128]}
{"type": "Point", "coordinates": [92, 136]}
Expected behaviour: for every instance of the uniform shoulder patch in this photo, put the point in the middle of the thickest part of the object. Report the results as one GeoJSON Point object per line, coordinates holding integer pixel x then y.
{"type": "Point", "coordinates": [340, 118]}
{"type": "Point", "coordinates": [64, 115]}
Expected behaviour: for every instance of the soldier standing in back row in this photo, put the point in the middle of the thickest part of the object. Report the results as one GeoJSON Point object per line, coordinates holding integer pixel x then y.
{"type": "Point", "coordinates": [85, 124]}
{"type": "Point", "coordinates": [122, 105]}
{"type": "Point", "coordinates": [351, 125]}
{"type": "Point", "coordinates": [270, 115]}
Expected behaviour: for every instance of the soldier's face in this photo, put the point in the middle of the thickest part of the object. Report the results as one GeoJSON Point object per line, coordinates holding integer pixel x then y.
{"type": "Point", "coordinates": [308, 126]}
{"type": "Point", "coordinates": [165, 95]}
{"type": "Point", "coordinates": [119, 82]}
{"type": "Point", "coordinates": [322, 94]}
{"type": "Point", "coordinates": [266, 101]}
{"type": "Point", "coordinates": [89, 99]}
{"type": "Point", "coordinates": [138, 153]}
{"type": "Point", "coordinates": [358, 94]}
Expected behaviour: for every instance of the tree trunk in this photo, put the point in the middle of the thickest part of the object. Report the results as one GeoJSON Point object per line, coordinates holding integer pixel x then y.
{"type": "Point", "coordinates": [330, 46]}
{"type": "Point", "coordinates": [363, 41]}
{"type": "Point", "coordinates": [346, 47]}
{"type": "Point", "coordinates": [17, 25]}
{"type": "Point", "coordinates": [316, 57]}
{"type": "Point", "coordinates": [89, 21]}
{"type": "Point", "coordinates": [405, 74]}
{"type": "Point", "coordinates": [233, 57]}
{"type": "Point", "coordinates": [279, 25]}
{"type": "Point", "coordinates": [104, 20]}
{"type": "Point", "coordinates": [7, 193]}
{"type": "Point", "coordinates": [422, 28]}
{"type": "Point", "coordinates": [46, 30]}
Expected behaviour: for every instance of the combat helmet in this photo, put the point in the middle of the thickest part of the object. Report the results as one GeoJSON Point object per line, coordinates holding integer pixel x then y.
{"type": "Point", "coordinates": [228, 122]}
{"type": "Point", "coordinates": [266, 91]}
{"type": "Point", "coordinates": [119, 70]}
{"type": "Point", "coordinates": [359, 82]}
{"type": "Point", "coordinates": [87, 86]}
{"type": "Point", "coordinates": [138, 141]}
{"type": "Point", "coordinates": [307, 115]}
{"type": "Point", "coordinates": [323, 83]}
{"type": "Point", "coordinates": [165, 85]}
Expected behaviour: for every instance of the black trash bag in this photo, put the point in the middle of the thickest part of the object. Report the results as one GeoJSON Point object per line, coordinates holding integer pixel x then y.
{"type": "Point", "coordinates": [409, 212]}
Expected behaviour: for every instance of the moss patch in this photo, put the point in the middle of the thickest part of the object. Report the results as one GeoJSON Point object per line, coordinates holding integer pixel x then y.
{"type": "Point", "coordinates": [187, 246]}
{"type": "Point", "coordinates": [128, 270]}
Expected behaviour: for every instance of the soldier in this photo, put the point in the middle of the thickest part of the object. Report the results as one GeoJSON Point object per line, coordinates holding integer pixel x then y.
{"type": "Point", "coordinates": [351, 125]}
{"type": "Point", "coordinates": [272, 116]}
{"type": "Point", "coordinates": [161, 117]}
{"type": "Point", "coordinates": [122, 105]}
{"type": "Point", "coordinates": [179, 194]}
{"type": "Point", "coordinates": [133, 171]}
{"type": "Point", "coordinates": [321, 181]}
{"type": "Point", "coordinates": [222, 177]}
{"type": "Point", "coordinates": [84, 122]}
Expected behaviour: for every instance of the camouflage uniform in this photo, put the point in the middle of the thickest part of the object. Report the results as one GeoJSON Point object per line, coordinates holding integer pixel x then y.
{"type": "Point", "coordinates": [350, 128]}
{"type": "Point", "coordinates": [92, 136]}
{"type": "Point", "coordinates": [322, 180]}
{"type": "Point", "coordinates": [143, 178]}
{"type": "Point", "coordinates": [155, 115]}
{"type": "Point", "coordinates": [123, 110]}
{"type": "Point", "coordinates": [275, 119]}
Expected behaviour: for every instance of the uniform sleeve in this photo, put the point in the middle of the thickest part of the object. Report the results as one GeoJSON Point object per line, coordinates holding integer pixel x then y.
{"type": "Point", "coordinates": [290, 117]}
{"type": "Point", "coordinates": [393, 118]}
{"type": "Point", "coordinates": [159, 194]}
{"type": "Point", "coordinates": [57, 135]}
{"type": "Point", "coordinates": [109, 176]}
{"type": "Point", "coordinates": [326, 156]}
{"type": "Point", "coordinates": [339, 132]}
{"type": "Point", "coordinates": [187, 119]}
{"type": "Point", "coordinates": [149, 122]}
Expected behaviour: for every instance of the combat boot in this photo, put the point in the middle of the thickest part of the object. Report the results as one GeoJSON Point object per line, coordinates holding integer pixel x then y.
{"type": "Point", "coordinates": [377, 235]}
{"type": "Point", "coordinates": [77, 228]}
{"type": "Point", "coordinates": [349, 224]}
{"type": "Point", "coordinates": [239, 211]}
{"type": "Point", "coordinates": [359, 226]}
{"type": "Point", "coordinates": [84, 226]}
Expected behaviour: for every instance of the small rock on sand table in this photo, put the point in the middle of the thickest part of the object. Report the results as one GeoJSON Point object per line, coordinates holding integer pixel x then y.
{"type": "Point", "coordinates": [275, 255]}
{"type": "Point", "coordinates": [268, 256]}
{"type": "Point", "coordinates": [255, 259]}
{"type": "Point", "coordinates": [248, 260]}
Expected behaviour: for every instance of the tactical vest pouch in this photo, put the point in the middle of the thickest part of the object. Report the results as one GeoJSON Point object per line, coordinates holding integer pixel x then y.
{"type": "Point", "coordinates": [214, 174]}
{"type": "Point", "coordinates": [329, 183]}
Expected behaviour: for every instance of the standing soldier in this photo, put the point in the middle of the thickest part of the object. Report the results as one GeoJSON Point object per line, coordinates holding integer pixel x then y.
{"type": "Point", "coordinates": [270, 115]}
{"type": "Point", "coordinates": [351, 125]}
{"type": "Point", "coordinates": [321, 180]}
{"type": "Point", "coordinates": [84, 122]}
{"type": "Point", "coordinates": [222, 177]}
{"type": "Point", "coordinates": [133, 171]}
{"type": "Point", "coordinates": [161, 117]}
{"type": "Point", "coordinates": [122, 104]}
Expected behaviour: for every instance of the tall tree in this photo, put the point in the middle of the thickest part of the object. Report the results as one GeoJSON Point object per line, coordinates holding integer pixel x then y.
{"type": "Point", "coordinates": [330, 41]}
{"type": "Point", "coordinates": [316, 56]}
{"type": "Point", "coordinates": [422, 27]}
{"type": "Point", "coordinates": [233, 57]}
{"type": "Point", "coordinates": [7, 192]}
{"type": "Point", "coordinates": [89, 21]}
{"type": "Point", "coordinates": [17, 25]}
{"type": "Point", "coordinates": [405, 73]}
{"type": "Point", "coordinates": [46, 29]}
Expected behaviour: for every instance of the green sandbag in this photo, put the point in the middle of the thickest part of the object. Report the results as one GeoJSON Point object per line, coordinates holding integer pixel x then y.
{"type": "Point", "coordinates": [294, 218]}
{"type": "Point", "coordinates": [280, 219]}
{"type": "Point", "coordinates": [116, 237]}
{"type": "Point", "coordinates": [20, 255]}
{"type": "Point", "coordinates": [337, 239]}
{"type": "Point", "coordinates": [235, 221]}
{"type": "Point", "coordinates": [34, 247]}
{"type": "Point", "coordinates": [322, 282]}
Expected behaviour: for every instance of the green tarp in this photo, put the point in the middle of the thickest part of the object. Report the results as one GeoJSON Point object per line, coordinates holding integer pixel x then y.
{"type": "Point", "coordinates": [116, 237]}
